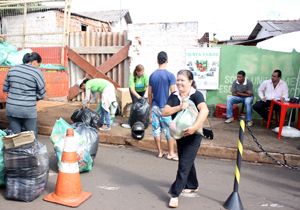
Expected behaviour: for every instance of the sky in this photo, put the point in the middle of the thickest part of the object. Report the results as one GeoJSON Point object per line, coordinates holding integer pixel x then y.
{"type": "Point", "coordinates": [223, 17]}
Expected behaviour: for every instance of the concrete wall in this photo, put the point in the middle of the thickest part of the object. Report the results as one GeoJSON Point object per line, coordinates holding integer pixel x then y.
{"type": "Point", "coordinates": [35, 23]}
{"type": "Point", "coordinates": [173, 38]}
{"type": "Point", "coordinates": [119, 26]}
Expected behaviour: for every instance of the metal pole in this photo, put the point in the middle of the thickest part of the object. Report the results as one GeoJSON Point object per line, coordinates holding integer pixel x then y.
{"type": "Point", "coordinates": [24, 26]}
{"type": "Point", "coordinates": [234, 202]}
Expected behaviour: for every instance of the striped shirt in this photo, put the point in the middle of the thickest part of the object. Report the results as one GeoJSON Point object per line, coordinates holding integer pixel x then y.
{"type": "Point", "coordinates": [24, 85]}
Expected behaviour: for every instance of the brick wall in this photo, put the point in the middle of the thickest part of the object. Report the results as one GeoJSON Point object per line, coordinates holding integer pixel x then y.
{"type": "Point", "coordinates": [47, 21]}
{"type": "Point", "coordinates": [172, 38]}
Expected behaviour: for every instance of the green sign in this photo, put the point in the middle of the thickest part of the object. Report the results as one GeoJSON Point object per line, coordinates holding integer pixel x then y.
{"type": "Point", "coordinates": [258, 64]}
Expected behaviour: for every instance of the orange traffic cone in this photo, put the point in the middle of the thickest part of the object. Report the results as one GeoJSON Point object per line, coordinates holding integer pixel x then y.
{"type": "Point", "coordinates": [68, 187]}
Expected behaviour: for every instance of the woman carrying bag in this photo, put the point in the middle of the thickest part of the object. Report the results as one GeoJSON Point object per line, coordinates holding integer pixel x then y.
{"type": "Point", "coordinates": [186, 179]}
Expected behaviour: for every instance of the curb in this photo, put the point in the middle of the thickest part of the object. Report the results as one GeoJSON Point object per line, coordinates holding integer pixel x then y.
{"type": "Point", "coordinates": [205, 150]}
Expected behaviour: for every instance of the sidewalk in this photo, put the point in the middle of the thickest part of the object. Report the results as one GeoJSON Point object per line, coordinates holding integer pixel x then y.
{"type": "Point", "coordinates": [224, 144]}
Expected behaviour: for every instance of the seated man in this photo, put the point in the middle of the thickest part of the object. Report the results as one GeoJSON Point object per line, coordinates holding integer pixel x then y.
{"type": "Point", "coordinates": [274, 88]}
{"type": "Point", "coordinates": [242, 92]}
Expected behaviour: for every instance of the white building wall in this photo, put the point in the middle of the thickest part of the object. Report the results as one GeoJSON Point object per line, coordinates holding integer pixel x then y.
{"type": "Point", "coordinates": [262, 34]}
{"type": "Point", "coordinates": [119, 26]}
{"type": "Point", "coordinates": [35, 23]}
{"type": "Point", "coordinates": [173, 38]}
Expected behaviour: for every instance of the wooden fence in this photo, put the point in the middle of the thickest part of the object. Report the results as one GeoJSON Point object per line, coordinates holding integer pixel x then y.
{"type": "Point", "coordinates": [96, 48]}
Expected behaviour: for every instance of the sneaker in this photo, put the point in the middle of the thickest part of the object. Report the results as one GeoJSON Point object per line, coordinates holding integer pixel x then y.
{"type": "Point", "coordinates": [229, 120]}
{"type": "Point", "coordinates": [104, 128]}
{"type": "Point", "coordinates": [250, 123]}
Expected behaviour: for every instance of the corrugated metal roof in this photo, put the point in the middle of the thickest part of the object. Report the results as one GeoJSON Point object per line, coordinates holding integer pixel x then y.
{"type": "Point", "coordinates": [107, 16]}
{"type": "Point", "coordinates": [239, 37]}
{"type": "Point", "coordinates": [275, 27]}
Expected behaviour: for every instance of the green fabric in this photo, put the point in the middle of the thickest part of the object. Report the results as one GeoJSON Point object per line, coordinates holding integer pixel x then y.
{"type": "Point", "coordinates": [85, 161]}
{"type": "Point", "coordinates": [2, 166]}
{"type": "Point", "coordinates": [140, 84]}
{"type": "Point", "coordinates": [96, 85]}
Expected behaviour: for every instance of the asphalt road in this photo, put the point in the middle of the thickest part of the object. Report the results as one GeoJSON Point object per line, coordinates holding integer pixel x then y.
{"type": "Point", "coordinates": [128, 178]}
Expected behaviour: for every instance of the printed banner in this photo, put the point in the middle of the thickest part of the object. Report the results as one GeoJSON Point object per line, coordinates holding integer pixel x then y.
{"type": "Point", "coordinates": [204, 64]}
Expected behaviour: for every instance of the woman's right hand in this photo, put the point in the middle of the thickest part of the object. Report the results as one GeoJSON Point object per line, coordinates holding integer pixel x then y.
{"type": "Point", "coordinates": [184, 105]}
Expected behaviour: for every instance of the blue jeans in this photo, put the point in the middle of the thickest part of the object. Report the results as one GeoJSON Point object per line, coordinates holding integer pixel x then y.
{"type": "Point", "coordinates": [105, 117]}
{"type": "Point", "coordinates": [29, 124]}
{"type": "Point", "coordinates": [236, 100]}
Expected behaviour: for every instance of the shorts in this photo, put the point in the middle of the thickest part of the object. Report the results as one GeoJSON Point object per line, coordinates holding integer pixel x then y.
{"type": "Point", "coordinates": [160, 123]}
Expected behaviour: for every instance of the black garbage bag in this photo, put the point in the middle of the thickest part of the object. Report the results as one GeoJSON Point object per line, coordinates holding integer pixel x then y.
{"type": "Point", "coordinates": [87, 116]}
{"type": "Point", "coordinates": [27, 168]}
{"type": "Point", "coordinates": [90, 135]}
{"type": "Point", "coordinates": [140, 111]}
{"type": "Point", "coordinates": [8, 131]}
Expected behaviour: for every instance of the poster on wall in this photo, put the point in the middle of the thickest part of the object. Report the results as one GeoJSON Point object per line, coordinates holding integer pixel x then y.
{"type": "Point", "coordinates": [204, 64]}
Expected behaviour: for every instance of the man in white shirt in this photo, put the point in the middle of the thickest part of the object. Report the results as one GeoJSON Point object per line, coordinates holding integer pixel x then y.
{"type": "Point", "coordinates": [274, 88]}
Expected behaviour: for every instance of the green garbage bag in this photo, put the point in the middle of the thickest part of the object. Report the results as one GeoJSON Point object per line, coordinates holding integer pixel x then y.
{"type": "Point", "coordinates": [50, 66]}
{"type": "Point", "coordinates": [3, 56]}
{"type": "Point", "coordinates": [112, 110]}
{"type": "Point", "coordinates": [185, 119]}
{"type": "Point", "coordinates": [8, 48]}
{"type": "Point", "coordinates": [58, 135]}
{"type": "Point", "coordinates": [16, 58]}
{"type": "Point", "coordinates": [2, 166]}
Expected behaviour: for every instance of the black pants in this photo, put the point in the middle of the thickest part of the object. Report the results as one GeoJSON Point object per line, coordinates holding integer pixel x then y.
{"type": "Point", "coordinates": [261, 108]}
{"type": "Point", "coordinates": [134, 99]}
{"type": "Point", "coordinates": [186, 175]}
{"type": "Point", "coordinates": [29, 124]}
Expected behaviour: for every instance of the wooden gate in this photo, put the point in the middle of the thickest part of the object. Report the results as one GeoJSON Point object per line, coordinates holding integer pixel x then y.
{"type": "Point", "coordinates": [98, 55]}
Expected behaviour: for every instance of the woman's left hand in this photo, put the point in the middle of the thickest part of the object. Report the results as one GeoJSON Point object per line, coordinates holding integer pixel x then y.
{"type": "Point", "coordinates": [189, 131]}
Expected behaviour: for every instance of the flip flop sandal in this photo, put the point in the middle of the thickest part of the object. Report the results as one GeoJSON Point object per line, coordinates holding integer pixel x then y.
{"type": "Point", "coordinates": [190, 190]}
{"type": "Point", "coordinates": [173, 202]}
{"type": "Point", "coordinates": [175, 158]}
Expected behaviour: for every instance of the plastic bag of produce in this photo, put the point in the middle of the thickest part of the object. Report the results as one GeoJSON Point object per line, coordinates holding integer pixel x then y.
{"type": "Point", "coordinates": [57, 138]}
{"type": "Point", "coordinates": [90, 135]}
{"type": "Point", "coordinates": [184, 119]}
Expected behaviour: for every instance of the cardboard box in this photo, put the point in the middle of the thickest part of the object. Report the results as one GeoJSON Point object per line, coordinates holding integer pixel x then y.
{"type": "Point", "coordinates": [127, 109]}
{"type": "Point", "coordinates": [123, 98]}
{"type": "Point", "coordinates": [18, 139]}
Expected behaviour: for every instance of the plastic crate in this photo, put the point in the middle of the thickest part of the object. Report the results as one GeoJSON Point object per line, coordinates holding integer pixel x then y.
{"type": "Point", "coordinates": [221, 111]}
{"type": "Point", "coordinates": [211, 108]}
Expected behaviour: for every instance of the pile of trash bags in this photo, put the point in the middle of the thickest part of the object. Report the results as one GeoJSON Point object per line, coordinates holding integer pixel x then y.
{"type": "Point", "coordinates": [26, 170]}
{"type": "Point", "coordinates": [83, 146]}
{"type": "Point", "coordinates": [87, 116]}
{"type": "Point", "coordinates": [184, 119]}
{"type": "Point", "coordinates": [10, 56]}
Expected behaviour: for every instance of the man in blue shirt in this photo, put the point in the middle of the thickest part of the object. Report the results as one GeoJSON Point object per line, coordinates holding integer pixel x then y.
{"type": "Point", "coordinates": [160, 82]}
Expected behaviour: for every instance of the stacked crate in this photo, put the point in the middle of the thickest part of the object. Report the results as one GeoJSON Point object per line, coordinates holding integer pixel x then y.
{"type": "Point", "coordinates": [221, 111]}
